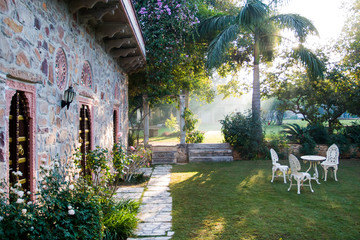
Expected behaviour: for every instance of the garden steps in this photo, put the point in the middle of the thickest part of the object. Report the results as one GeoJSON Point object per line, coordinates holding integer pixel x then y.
{"type": "Point", "coordinates": [216, 152]}
{"type": "Point", "coordinates": [163, 154]}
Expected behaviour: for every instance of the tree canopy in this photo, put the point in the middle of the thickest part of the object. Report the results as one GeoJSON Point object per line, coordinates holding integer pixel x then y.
{"type": "Point", "coordinates": [175, 61]}
{"type": "Point", "coordinates": [251, 35]}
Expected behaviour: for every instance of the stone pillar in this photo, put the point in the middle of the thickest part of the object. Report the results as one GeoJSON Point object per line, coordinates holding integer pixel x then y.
{"type": "Point", "coordinates": [182, 120]}
{"type": "Point", "coordinates": [146, 119]}
{"type": "Point", "coordinates": [187, 98]}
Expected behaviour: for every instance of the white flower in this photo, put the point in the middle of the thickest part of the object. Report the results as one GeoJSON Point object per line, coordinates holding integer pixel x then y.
{"type": "Point", "coordinates": [19, 200]}
{"type": "Point", "coordinates": [28, 192]}
{"type": "Point", "coordinates": [69, 207]}
{"type": "Point", "coordinates": [18, 173]}
{"type": "Point", "coordinates": [71, 187]}
{"type": "Point", "coordinates": [29, 202]}
{"type": "Point", "coordinates": [20, 193]}
{"type": "Point", "coordinates": [47, 167]}
{"type": "Point", "coordinates": [18, 184]}
{"type": "Point", "coordinates": [31, 228]}
{"type": "Point", "coordinates": [1, 218]}
{"type": "Point", "coordinates": [2, 191]}
{"type": "Point", "coordinates": [71, 212]}
{"type": "Point", "coordinates": [23, 211]}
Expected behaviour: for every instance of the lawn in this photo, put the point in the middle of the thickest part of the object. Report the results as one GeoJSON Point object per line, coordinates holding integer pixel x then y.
{"type": "Point", "coordinates": [237, 201]}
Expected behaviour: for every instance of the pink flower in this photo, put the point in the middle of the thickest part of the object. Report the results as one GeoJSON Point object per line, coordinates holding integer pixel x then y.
{"type": "Point", "coordinates": [132, 148]}
{"type": "Point", "coordinates": [143, 11]}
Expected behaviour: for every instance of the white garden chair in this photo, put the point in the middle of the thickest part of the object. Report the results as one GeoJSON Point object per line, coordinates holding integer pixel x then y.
{"type": "Point", "coordinates": [332, 161]}
{"type": "Point", "coordinates": [300, 177]}
{"type": "Point", "coordinates": [277, 166]}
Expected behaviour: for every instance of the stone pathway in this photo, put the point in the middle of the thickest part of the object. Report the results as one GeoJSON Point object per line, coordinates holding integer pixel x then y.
{"type": "Point", "coordinates": [155, 210]}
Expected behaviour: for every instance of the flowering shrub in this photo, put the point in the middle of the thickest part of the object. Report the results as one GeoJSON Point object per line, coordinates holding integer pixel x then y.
{"type": "Point", "coordinates": [166, 24]}
{"type": "Point", "coordinates": [64, 208]}
{"type": "Point", "coordinates": [68, 205]}
{"type": "Point", "coordinates": [168, 27]}
{"type": "Point", "coordinates": [139, 157]}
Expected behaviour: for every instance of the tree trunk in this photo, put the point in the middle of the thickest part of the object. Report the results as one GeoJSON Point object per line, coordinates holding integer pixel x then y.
{"type": "Point", "coordinates": [256, 93]}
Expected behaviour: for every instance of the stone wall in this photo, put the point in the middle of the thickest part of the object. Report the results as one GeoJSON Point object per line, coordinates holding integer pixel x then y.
{"type": "Point", "coordinates": [321, 149]}
{"type": "Point", "coordinates": [32, 34]}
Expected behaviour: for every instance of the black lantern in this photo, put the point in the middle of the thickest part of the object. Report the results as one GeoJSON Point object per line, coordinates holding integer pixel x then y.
{"type": "Point", "coordinates": [69, 95]}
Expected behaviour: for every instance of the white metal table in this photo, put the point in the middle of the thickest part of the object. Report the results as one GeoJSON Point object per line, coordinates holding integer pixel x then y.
{"type": "Point", "coordinates": [314, 160]}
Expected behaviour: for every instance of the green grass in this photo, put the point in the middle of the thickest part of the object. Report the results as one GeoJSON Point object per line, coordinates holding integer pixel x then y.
{"type": "Point", "coordinates": [224, 201]}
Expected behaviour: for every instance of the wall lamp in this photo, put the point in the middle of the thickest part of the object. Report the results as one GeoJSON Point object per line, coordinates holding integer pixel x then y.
{"type": "Point", "coordinates": [69, 95]}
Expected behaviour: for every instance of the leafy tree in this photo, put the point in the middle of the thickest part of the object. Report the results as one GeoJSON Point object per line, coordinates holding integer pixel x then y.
{"type": "Point", "coordinates": [175, 61]}
{"type": "Point", "coordinates": [253, 33]}
{"type": "Point", "coordinates": [348, 46]}
{"type": "Point", "coordinates": [320, 101]}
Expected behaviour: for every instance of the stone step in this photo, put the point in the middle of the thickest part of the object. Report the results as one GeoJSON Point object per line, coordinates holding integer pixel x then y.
{"type": "Point", "coordinates": [163, 157]}
{"type": "Point", "coordinates": [160, 148]}
{"type": "Point", "coordinates": [209, 152]}
{"type": "Point", "coordinates": [209, 146]}
{"type": "Point", "coordinates": [211, 159]}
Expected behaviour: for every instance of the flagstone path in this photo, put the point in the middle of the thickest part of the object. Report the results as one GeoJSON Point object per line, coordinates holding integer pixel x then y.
{"type": "Point", "coordinates": [156, 205]}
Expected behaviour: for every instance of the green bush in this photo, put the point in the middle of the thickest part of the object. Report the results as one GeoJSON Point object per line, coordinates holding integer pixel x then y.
{"type": "Point", "coordinates": [192, 135]}
{"type": "Point", "coordinates": [353, 133]}
{"type": "Point", "coordinates": [238, 130]}
{"type": "Point", "coordinates": [195, 136]}
{"type": "Point", "coordinates": [279, 144]}
{"type": "Point", "coordinates": [318, 133]}
{"type": "Point", "coordinates": [294, 133]}
{"type": "Point", "coordinates": [121, 220]}
{"type": "Point", "coordinates": [341, 141]}
{"type": "Point", "coordinates": [308, 144]}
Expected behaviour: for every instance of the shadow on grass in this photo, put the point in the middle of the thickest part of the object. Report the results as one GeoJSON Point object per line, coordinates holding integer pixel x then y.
{"type": "Point", "coordinates": [237, 201]}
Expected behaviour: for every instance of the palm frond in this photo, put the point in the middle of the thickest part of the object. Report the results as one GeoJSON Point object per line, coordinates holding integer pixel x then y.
{"type": "Point", "coordinates": [254, 11]}
{"type": "Point", "coordinates": [299, 24]}
{"type": "Point", "coordinates": [268, 39]}
{"type": "Point", "coordinates": [314, 65]}
{"type": "Point", "coordinates": [220, 44]}
{"type": "Point", "coordinates": [214, 24]}
{"type": "Point", "coordinates": [293, 132]}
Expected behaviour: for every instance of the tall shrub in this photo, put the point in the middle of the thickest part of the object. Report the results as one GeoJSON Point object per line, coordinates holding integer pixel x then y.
{"type": "Point", "coordinates": [238, 130]}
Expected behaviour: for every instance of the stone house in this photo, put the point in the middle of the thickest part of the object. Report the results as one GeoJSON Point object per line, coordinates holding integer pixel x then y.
{"type": "Point", "coordinates": [48, 47]}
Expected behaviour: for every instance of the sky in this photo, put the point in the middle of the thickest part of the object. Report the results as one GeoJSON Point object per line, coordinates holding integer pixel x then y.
{"type": "Point", "coordinates": [327, 15]}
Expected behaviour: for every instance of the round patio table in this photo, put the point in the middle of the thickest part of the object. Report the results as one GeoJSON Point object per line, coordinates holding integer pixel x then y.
{"type": "Point", "coordinates": [314, 160]}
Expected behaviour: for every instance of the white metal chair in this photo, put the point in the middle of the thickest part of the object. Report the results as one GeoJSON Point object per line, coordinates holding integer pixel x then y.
{"type": "Point", "coordinates": [332, 160]}
{"type": "Point", "coordinates": [277, 166]}
{"type": "Point", "coordinates": [300, 177]}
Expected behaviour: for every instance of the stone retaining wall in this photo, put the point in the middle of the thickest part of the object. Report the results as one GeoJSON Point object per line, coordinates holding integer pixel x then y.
{"type": "Point", "coordinates": [321, 149]}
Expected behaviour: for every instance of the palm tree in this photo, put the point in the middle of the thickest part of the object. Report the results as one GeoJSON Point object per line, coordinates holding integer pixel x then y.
{"type": "Point", "coordinates": [260, 22]}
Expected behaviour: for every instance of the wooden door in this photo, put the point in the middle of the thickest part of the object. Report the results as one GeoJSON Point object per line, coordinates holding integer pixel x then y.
{"type": "Point", "coordinates": [19, 144]}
